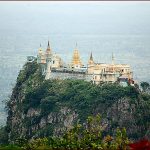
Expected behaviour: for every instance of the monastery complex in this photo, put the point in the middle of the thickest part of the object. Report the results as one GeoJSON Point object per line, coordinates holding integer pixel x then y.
{"type": "Point", "coordinates": [52, 66]}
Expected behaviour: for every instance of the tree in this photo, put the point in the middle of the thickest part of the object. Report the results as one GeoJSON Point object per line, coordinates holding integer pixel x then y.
{"type": "Point", "coordinates": [145, 86]}
{"type": "Point", "coordinates": [3, 136]}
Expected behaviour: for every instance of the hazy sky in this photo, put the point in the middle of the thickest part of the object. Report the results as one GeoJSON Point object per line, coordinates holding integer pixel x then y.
{"type": "Point", "coordinates": [75, 17]}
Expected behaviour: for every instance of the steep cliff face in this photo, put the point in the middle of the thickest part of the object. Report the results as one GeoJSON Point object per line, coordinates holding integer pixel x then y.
{"type": "Point", "coordinates": [39, 108]}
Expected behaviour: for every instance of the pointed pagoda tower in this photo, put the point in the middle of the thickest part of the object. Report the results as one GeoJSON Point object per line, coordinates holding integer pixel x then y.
{"type": "Point", "coordinates": [41, 56]}
{"type": "Point", "coordinates": [41, 60]}
{"type": "Point", "coordinates": [76, 61]}
{"type": "Point", "coordinates": [48, 50]}
{"type": "Point", "coordinates": [91, 61]}
{"type": "Point", "coordinates": [91, 65]}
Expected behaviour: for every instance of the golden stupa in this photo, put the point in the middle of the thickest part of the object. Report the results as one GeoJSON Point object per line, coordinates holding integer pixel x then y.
{"type": "Point", "coordinates": [76, 61]}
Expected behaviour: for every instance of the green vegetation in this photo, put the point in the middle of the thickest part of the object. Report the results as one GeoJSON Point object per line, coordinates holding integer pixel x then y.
{"type": "Point", "coordinates": [79, 137]}
{"type": "Point", "coordinates": [89, 136]}
{"type": "Point", "coordinates": [3, 136]}
{"type": "Point", "coordinates": [145, 86]}
{"type": "Point", "coordinates": [82, 95]}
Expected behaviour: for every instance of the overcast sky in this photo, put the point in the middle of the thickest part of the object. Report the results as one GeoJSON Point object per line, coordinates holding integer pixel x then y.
{"type": "Point", "coordinates": [75, 17]}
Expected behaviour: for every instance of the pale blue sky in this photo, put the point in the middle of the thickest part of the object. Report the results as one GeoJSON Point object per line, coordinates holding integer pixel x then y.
{"type": "Point", "coordinates": [75, 17]}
